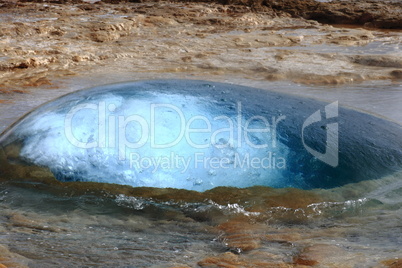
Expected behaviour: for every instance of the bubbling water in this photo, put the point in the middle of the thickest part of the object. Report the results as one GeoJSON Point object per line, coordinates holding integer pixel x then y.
{"type": "Point", "coordinates": [198, 135]}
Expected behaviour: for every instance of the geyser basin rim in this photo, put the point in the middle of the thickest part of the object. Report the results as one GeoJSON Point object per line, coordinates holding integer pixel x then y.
{"type": "Point", "coordinates": [198, 135]}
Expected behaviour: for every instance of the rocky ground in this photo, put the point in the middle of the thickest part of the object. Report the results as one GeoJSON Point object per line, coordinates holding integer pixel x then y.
{"type": "Point", "coordinates": [50, 235]}
{"type": "Point", "coordinates": [40, 42]}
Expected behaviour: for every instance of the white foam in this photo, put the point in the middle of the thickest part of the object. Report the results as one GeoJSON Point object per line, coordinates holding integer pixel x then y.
{"type": "Point", "coordinates": [83, 142]}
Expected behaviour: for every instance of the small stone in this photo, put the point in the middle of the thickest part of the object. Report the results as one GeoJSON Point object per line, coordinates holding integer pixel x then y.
{"type": "Point", "coordinates": [393, 263]}
{"type": "Point", "coordinates": [230, 260]}
{"type": "Point", "coordinates": [396, 74]}
{"type": "Point", "coordinates": [319, 254]}
{"type": "Point", "coordinates": [10, 259]}
{"type": "Point", "coordinates": [240, 235]}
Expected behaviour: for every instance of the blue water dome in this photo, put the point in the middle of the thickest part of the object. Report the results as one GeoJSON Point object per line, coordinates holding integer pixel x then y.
{"type": "Point", "coordinates": [198, 135]}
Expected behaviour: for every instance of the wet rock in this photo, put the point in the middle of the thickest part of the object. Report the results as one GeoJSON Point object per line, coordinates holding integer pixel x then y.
{"type": "Point", "coordinates": [11, 260]}
{"type": "Point", "coordinates": [160, 21]}
{"type": "Point", "coordinates": [352, 37]}
{"type": "Point", "coordinates": [104, 36]}
{"type": "Point", "coordinates": [385, 14]}
{"type": "Point", "coordinates": [224, 260]}
{"type": "Point", "coordinates": [378, 61]}
{"type": "Point", "coordinates": [55, 40]}
{"type": "Point", "coordinates": [87, 7]}
{"type": "Point", "coordinates": [393, 263]}
{"type": "Point", "coordinates": [55, 1]}
{"type": "Point", "coordinates": [242, 237]}
{"type": "Point", "coordinates": [325, 256]}
{"type": "Point", "coordinates": [364, 12]}
{"type": "Point", "coordinates": [284, 236]}
{"type": "Point", "coordinates": [396, 74]}
{"type": "Point", "coordinates": [231, 260]}
{"type": "Point", "coordinates": [106, 32]}
{"type": "Point", "coordinates": [242, 242]}
{"type": "Point", "coordinates": [30, 225]}
{"type": "Point", "coordinates": [314, 79]}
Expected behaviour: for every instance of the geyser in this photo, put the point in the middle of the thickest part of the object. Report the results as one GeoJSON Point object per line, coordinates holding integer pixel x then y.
{"type": "Point", "coordinates": [198, 135]}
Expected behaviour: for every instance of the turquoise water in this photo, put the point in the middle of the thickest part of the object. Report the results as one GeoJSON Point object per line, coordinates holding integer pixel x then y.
{"type": "Point", "coordinates": [198, 135]}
